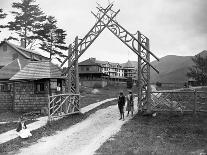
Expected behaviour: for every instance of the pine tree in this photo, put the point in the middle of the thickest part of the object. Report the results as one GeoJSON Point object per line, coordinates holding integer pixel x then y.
{"type": "Point", "coordinates": [53, 38]}
{"type": "Point", "coordinates": [28, 20]}
{"type": "Point", "coordinates": [199, 70]}
{"type": "Point", "coordinates": [2, 16]}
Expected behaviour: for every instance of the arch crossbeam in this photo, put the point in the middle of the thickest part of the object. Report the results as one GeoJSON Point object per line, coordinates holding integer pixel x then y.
{"type": "Point", "coordinates": [90, 37]}
{"type": "Point", "coordinates": [127, 38]}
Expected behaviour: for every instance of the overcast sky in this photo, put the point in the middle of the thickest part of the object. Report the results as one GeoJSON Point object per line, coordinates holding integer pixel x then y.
{"type": "Point", "coordinates": [174, 27]}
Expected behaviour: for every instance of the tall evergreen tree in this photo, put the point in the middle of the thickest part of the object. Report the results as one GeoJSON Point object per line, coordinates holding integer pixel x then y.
{"type": "Point", "coordinates": [53, 38]}
{"type": "Point", "coordinates": [2, 16]}
{"type": "Point", "coordinates": [199, 70]}
{"type": "Point", "coordinates": [28, 20]}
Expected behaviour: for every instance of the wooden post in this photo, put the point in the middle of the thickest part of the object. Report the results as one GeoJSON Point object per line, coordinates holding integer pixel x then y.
{"type": "Point", "coordinates": [76, 73]}
{"type": "Point", "coordinates": [148, 93]}
{"type": "Point", "coordinates": [49, 117]}
{"type": "Point", "coordinates": [139, 76]}
{"type": "Point", "coordinates": [76, 66]}
{"type": "Point", "coordinates": [13, 100]}
{"type": "Point", "coordinates": [195, 101]}
{"type": "Point", "coordinates": [69, 71]}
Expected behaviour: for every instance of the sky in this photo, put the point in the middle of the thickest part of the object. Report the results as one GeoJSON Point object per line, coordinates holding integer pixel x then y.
{"type": "Point", "coordinates": [174, 27]}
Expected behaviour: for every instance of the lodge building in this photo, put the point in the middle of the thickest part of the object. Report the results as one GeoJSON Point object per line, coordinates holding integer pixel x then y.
{"type": "Point", "coordinates": [96, 73]}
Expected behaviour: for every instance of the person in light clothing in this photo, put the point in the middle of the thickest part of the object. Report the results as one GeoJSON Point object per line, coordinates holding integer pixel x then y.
{"type": "Point", "coordinates": [130, 103]}
{"type": "Point", "coordinates": [22, 130]}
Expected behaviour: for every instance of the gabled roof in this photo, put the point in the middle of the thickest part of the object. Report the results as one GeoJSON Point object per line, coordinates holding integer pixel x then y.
{"type": "Point", "coordinates": [38, 70]}
{"type": "Point", "coordinates": [93, 61]}
{"type": "Point", "coordinates": [28, 54]}
{"type": "Point", "coordinates": [11, 69]}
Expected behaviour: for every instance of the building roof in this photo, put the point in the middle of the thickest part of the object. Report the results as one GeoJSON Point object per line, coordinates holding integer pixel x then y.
{"type": "Point", "coordinates": [28, 54]}
{"type": "Point", "coordinates": [38, 70]}
{"type": "Point", "coordinates": [93, 61]}
{"type": "Point", "coordinates": [12, 68]}
{"type": "Point", "coordinates": [89, 62]}
{"type": "Point", "coordinates": [101, 62]}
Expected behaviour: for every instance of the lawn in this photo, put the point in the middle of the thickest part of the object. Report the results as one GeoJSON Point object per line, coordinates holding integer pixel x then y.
{"type": "Point", "coordinates": [165, 134]}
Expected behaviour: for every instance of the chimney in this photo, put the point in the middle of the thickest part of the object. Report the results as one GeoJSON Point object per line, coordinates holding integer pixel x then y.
{"type": "Point", "coordinates": [23, 43]}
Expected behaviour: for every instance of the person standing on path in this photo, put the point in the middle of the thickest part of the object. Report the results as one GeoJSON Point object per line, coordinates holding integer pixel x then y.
{"type": "Point", "coordinates": [121, 104]}
{"type": "Point", "coordinates": [130, 103]}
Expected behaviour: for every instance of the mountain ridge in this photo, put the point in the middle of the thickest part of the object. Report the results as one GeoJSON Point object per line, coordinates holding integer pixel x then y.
{"type": "Point", "coordinates": [173, 69]}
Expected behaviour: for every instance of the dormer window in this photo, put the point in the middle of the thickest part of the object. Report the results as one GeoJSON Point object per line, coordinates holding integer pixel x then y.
{"type": "Point", "coordinates": [4, 47]}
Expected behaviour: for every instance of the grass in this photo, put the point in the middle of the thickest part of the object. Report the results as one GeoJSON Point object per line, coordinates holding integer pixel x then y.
{"type": "Point", "coordinates": [162, 135]}
{"type": "Point", "coordinates": [12, 120]}
{"type": "Point", "coordinates": [7, 126]}
{"type": "Point", "coordinates": [9, 116]}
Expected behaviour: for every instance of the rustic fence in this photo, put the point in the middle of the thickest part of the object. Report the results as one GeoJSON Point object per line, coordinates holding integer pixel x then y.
{"type": "Point", "coordinates": [62, 105]}
{"type": "Point", "coordinates": [193, 101]}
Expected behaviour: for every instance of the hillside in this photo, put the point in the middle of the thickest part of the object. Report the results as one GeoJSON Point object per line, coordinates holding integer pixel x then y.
{"type": "Point", "coordinates": [173, 68]}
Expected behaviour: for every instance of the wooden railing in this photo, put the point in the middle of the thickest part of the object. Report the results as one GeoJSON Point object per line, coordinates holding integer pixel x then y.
{"type": "Point", "coordinates": [195, 101]}
{"type": "Point", "coordinates": [62, 105]}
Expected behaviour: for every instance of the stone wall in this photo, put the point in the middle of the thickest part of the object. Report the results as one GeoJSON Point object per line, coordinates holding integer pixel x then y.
{"type": "Point", "coordinates": [26, 99]}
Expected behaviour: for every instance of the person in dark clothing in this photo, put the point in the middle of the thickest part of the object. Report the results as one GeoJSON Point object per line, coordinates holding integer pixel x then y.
{"type": "Point", "coordinates": [121, 104]}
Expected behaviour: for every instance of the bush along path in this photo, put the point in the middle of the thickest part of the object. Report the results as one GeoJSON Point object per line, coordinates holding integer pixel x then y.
{"type": "Point", "coordinates": [83, 138]}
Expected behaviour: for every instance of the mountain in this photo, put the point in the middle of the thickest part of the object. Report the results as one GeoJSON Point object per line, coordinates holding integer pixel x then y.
{"type": "Point", "coordinates": [173, 69]}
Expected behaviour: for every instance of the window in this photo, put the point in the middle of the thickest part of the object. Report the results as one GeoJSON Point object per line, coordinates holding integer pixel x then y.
{"type": "Point", "coordinates": [40, 87]}
{"type": "Point", "coordinates": [59, 85]}
{"type": "Point", "coordinates": [4, 47]}
{"type": "Point", "coordinates": [6, 87]}
{"type": "Point", "coordinates": [87, 68]}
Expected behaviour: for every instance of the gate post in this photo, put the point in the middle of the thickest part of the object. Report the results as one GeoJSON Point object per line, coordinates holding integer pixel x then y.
{"type": "Point", "coordinates": [148, 91]}
{"type": "Point", "coordinates": [139, 75]}
{"type": "Point", "coordinates": [77, 101]}
{"type": "Point", "coordinates": [69, 71]}
{"type": "Point", "coordinates": [76, 67]}
{"type": "Point", "coordinates": [145, 96]}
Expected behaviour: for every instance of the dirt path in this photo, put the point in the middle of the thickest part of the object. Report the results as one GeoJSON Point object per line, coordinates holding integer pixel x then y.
{"type": "Point", "coordinates": [83, 138]}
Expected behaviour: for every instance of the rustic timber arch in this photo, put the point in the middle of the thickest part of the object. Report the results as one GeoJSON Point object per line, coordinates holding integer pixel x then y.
{"type": "Point", "coordinates": [138, 43]}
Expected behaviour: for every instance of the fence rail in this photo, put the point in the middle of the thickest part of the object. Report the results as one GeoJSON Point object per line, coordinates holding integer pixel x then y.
{"type": "Point", "coordinates": [195, 101]}
{"type": "Point", "coordinates": [63, 104]}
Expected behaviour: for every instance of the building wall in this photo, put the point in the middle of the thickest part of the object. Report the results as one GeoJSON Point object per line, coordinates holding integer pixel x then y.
{"type": "Point", "coordinates": [90, 68]}
{"type": "Point", "coordinates": [26, 99]}
{"type": "Point", "coordinates": [6, 100]}
{"type": "Point", "coordinates": [8, 55]}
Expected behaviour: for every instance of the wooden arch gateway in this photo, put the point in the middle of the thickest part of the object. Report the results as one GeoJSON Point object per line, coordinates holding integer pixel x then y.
{"type": "Point", "coordinates": [64, 104]}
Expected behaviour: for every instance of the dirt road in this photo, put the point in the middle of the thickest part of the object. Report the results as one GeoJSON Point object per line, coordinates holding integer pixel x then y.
{"type": "Point", "coordinates": [83, 138]}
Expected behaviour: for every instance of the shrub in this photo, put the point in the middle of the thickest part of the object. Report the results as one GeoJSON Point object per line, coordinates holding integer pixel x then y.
{"type": "Point", "coordinates": [158, 84]}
